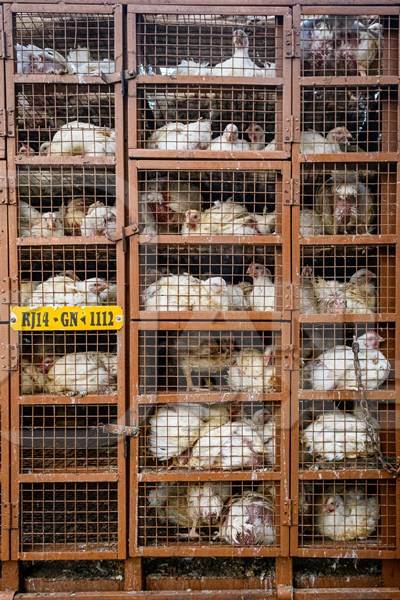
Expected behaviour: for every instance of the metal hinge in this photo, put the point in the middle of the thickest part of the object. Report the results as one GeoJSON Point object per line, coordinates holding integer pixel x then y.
{"type": "Point", "coordinates": [9, 290]}
{"type": "Point", "coordinates": [121, 77]}
{"type": "Point", "coordinates": [292, 196]}
{"type": "Point", "coordinates": [8, 357]}
{"type": "Point", "coordinates": [288, 297]}
{"type": "Point", "coordinates": [7, 190]}
{"type": "Point", "coordinates": [9, 515]}
{"type": "Point", "coordinates": [289, 358]}
{"type": "Point", "coordinates": [289, 130]}
{"type": "Point", "coordinates": [290, 512]}
{"type": "Point", "coordinates": [10, 122]}
{"type": "Point", "coordinates": [292, 43]}
{"type": "Point", "coordinates": [126, 232]}
{"type": "Point", "coordinates": [125, 431]}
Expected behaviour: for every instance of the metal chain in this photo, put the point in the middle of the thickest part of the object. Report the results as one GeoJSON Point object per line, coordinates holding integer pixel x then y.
{"type": "Point", "coordinates": [386, 464]}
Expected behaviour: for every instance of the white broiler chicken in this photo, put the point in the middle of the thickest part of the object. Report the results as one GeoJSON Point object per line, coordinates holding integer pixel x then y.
{"type": "Point", "coordinates": [83, 373]}
{"type": "Point", "coordinates": [81, 63]}
{"type": "Point", "coordinates": [26, 289]}
{"type": "Point", "coordinates": [33, 223]}
{"type": "Point", "coordinates": [240, 64]}
{"type": "Point", "coordinates": [252, 371]}
{"type": "Point", "coordinates": [92, 291]}
{"type": "Point", "coordinates": [76, 138]}
{"type": "Point", "coordinates": [32, 59]}
{"type": "Point", "coordinates": [361, 293]}
{"type": "Point", "coordinates": [345, 514]}
{"type": "Point", "coordinates": [164, 203]}
{"type": "Point", "coordinates": [100, 220]}
{"type": "Point", "coordinates": [190, 68]}
{"type": "Point", "coordinates": [189, 506]}
{"type": "Point", "coordinates": [59, 290]}
{"type": "Point", "coordinates": [32, 380]}
{"type": "Point", "coordinates": [312, 142]}
{"type": "Point", "coordinates": [174, 428]}
{"type": "Point", "coordinates": [211, 294]}
{"type": "Point", "coordinates": [310, 223]}
{"type": "Point", "coordinates": [237, 296]}
{"type": "Point", "coordinates": [248, 520]}
{"type": "Point", "coordinates": [73, 216]}
{"type": "Point", "coordinates": [334, 368]}
{"type": "Point", "coordinates": [172, 293]}
{"type": "Point", "coordinates": [181, 136]}
{"type": "Point", "coordinates": [229, 141]}
{"type": "Point", "coordinates": [256, 136]}
{"type": "Point", "coordinates": [338, 435]}
{"type": "Point", "coordinates": [27, 214]}
{"type": "Point", "coordinates": [223, 218]}
{"type": "Point", "coordinates": [330, 295]}
{"type": "Point", "coordinates": [262, 296]}
{"type": "Point", "coordinates": [238, 444]}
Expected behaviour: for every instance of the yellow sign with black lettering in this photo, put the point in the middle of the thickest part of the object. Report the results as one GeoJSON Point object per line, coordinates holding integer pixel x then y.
{"type": "Point", "coordinates": [66, 318]}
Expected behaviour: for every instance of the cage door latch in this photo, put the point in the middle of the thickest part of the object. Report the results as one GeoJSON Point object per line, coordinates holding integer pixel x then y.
{"type": "Point", "coordinates": [292, 43]}
{"type": "Point", "coordinates": [126, 232]}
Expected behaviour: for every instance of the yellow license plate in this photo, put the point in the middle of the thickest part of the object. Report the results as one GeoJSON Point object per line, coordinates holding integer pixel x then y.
{"type": "Point", "coordinates": [66, 318]}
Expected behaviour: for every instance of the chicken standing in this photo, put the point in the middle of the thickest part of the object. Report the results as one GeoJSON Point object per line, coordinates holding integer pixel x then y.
{"type": "Point", "coordinates": [205, 354]}
{"type": "Point", "coordinates": [82, 373]}
{"type": "Point", "coordinates": [240, 64]}
{"type": "Point", "coordinates": [181, 136]}
{"type": "Point", "coordinates": [334, 368]}
{"type": "Point", "coordinates": [345, 514]}
{"type": "Point", "coordinates": [164, 203]}
{"type": "Point", "coordinates": [338, 435]}
{"type": "Point", "coordinates": [253, 371]}
{"type": "Point", "coordinates": [229, 141]}
{"type": "Point", "coordinates": [361, 292]}
{"type": "Point", "coordinates": [189, 506]}
{"type": "Point", "coordinates": [262, 296]}
{"type": "Point", "coordinates": [357, 47]}
{"type": "Point", "coordinates": [174, 428]}
{"type": "Point", "coordinates": [74, 215]}
{"type": "Point", "coordinates": [248, 520]}
{"type": "Point", "coordinates": [76, 138]}
{"type": "Point", "coordinates": [345, 204]}
{"type": "Point", "coordinates": [100, 220]}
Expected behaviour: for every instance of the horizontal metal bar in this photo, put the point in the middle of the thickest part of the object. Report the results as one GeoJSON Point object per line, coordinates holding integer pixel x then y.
{"type": "Point", "coordinates": [191, 240]}
{"type": "Point", "coordinates": [347, 395]}
{"type": "Point", "coordinates": [326, 552]}
{"type": "Point", "coordinates": [207, 551]}
{"type": "Point", "coordinates": [175, 397]}
{"type": "Point", "coordinates": [62, 399]}
{"type": "Point", "coordinates": [175, 475]}
{"type": "Point", "coordinates": [66, 240]}
{"type": "Point", "coordinates": [157, 595]}
{"type": "Point", "coordinates": [350, 157]}
{"type": "Point", "coordinates": [69, 477]}
{"type": "Point", "coordinates": [247, 9]}
{"type": "Point", "coordinates": [211, 165]}
{"type": "Point", "coordinates": [343, 474]}
{"type": "Point", "coordinates": [166, 326]}
{"type": "Point", "coordinates": [30, 78]}
{"type": "Point", "coordinates": [199, 79]}
{"type": "Point", "coordinates": [229, 315]}
{"type": "Point", "coordinates": [207, 154]}
{"type": "Point", "coordinates": [94, 6]}
{"type": "Point", "coordinates": [64, 554]}
{"type": "Point", "coordinates": [65, 159]}
{"type": "Point", "coordinates": [353, 80]}
{"type": "Point", "coordinates": [348, 240]}
{"type": "Point", "coordinates": [347, 318]}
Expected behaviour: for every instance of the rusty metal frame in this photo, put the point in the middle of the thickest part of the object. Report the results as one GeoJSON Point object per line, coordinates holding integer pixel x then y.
{"type": "Point", "coordinates": [138, 477]}
{"type": "Point", "coordinates": [120, 398]}
{"type": "Point", "coordinates": [279, 240]}
{"type": "Point", "coordinates": [280, 82]}
{"type": "Point", "coordinates": [297, 474]}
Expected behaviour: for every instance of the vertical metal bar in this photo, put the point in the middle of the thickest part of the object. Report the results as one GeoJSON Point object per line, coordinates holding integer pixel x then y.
{"type": "Point", "coordinates": [134, 442]}
{"type": "Point", "coordinates": [132, 88]}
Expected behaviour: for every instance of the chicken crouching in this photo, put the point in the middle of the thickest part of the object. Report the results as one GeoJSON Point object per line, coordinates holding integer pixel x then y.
{"type": "Point", "coordinates": [248, 521]}
{"type": "Point", "coordinates": [253, 371]}
{"type": "Point", "coordinates": [81, 373]}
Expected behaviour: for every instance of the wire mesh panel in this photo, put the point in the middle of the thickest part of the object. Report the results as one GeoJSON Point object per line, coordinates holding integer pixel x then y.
{"type": "Point", "coordinates": [60, 438]}
{"type": "Point", "coordinates": [70, 364]}
{"type": "Point", "coordinates": [358, 515]}
{"type": "Point", "coordinates": [232, 514]}
{"type": "Point", "coordinates": [227, 436]}
{"type": "Point", "coordinates": [348, 279]}
{"type": "Point", "coordinates": [210, 278]}
{"type": "Point", "coordinates": [334, 434]}
{"type": "Point", "coordinates": [328, 359]}
{"type": "Point", "coordinates": [210, 361]}
{"type": "Point", "coordinates": [348, 119]}
{"type": "Point", "coordinates": [227, 201]}
{"type": "Point", "coordinates": [210, 45]}
{"type": "Point", "coordinates": [217, 118]}
{"type": "Point", "coordinates": [349, 44]}
{"type": "Point", "coordinates": [67, 275]}
{"type": "Point", "coordinates": [58, 201]}
{"type": "Point", "coordinates": [69, 120]}
{"type": "Point", "coordinates": [64, 43]}
{"type": "Point", "coordinates": [80, 518]}
{"type": "Point", "coordinates": [345, 199]}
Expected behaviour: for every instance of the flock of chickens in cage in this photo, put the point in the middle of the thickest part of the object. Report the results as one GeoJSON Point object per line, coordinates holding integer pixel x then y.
{"type": "Point", "coordinates": [196, 436]}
